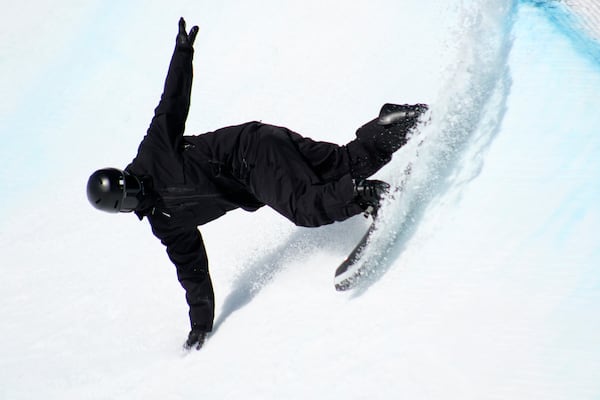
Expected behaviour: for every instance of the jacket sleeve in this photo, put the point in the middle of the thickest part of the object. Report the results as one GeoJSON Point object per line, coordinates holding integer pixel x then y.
{"type": "Point", "coordinates": [185, 249]}
{"type": "Point", "coordinates": [168, 124]}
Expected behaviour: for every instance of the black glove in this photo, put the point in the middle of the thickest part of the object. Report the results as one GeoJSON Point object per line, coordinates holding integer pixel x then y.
{"type": "Point", "coordinates": [185, 40]}
{"type": "Point", "coordinates": [196, 338]}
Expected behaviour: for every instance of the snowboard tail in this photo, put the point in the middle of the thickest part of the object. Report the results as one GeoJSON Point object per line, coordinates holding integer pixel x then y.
{"type": "Point", "coordinates": [348, 274]}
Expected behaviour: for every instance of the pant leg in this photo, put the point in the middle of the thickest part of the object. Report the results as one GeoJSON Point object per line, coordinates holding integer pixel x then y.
{"type": "Point", "coordinates": [311, 187]}
{"type": "Point", "coordinates": [362, 157]}
{"type": "Point", "coordinates": [328, 161]}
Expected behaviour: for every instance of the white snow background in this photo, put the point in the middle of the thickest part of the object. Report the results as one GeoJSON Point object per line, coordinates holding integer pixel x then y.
{"type": "Point", "coordinates": [491, 287]}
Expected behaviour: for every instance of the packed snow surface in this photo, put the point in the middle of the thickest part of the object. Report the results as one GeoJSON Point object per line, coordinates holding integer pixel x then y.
{"type": "Point", "coordinates": [487, 283]}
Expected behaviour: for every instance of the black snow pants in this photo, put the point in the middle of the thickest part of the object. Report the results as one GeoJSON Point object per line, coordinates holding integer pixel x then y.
{"type": "Point", "coordinates": [312, 182]}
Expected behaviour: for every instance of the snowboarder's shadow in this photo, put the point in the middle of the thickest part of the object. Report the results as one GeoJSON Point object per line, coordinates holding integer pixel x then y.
{"type": "Point", "coordinates": [259, 272]}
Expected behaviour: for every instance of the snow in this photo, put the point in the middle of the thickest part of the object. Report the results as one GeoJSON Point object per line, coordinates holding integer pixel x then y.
{"type": "Point", "coordinates": [490, 288]}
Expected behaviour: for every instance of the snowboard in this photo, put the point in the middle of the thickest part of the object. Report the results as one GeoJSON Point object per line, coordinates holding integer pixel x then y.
{"type": "Point", "coordinates": [354, 268]}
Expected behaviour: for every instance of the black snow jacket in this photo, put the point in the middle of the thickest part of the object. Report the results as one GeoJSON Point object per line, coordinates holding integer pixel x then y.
{"type": "Point", "coordinates": [194, 180]}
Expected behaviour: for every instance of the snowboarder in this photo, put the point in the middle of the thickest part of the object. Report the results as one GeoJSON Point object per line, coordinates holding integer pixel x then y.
{"type": "Point", "coordinates": [180, 182]}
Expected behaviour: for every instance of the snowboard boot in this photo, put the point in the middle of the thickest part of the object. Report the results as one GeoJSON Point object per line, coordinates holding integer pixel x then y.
{"type": "Point", "coordinates": [397, 121]}
{"type": "Point", "coordinates": [369, 193]}
{"type": "Point", "coordinates": [378, 139]}
{"type": "Point", "coordinates": [388, 132]}
{"type": "Point", "coordinates": [407, 114]}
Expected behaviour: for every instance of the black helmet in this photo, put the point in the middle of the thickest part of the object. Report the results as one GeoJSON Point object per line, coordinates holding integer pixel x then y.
{"type": "Point", "coordinates": [113, 190]}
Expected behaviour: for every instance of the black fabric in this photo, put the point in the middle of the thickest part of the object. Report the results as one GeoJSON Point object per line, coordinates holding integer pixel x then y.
{"type": "Point", "coordinates": [374, 146]}
{"type": "Point", "coordinates": [196, 179]}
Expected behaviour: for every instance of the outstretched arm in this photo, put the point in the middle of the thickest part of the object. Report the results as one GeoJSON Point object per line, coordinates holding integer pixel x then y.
{"type": "Point", "coordinates": [186, 251]}
{"type": "Point", "coordinates": [168, 124]}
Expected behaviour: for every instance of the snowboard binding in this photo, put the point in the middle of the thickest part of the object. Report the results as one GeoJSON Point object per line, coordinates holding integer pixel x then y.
{"type": "Point", "coordinates": [369, 193]}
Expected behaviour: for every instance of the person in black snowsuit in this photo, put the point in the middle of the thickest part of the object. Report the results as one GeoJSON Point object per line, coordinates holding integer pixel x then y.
{"type": "Point", "coordinates": [180, 182]}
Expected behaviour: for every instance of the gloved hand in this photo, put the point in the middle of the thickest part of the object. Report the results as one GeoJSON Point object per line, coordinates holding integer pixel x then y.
{"type": "Point", "coordinates": [196, 338]}
{"type": "Point", "coordinates": [185, 40]}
